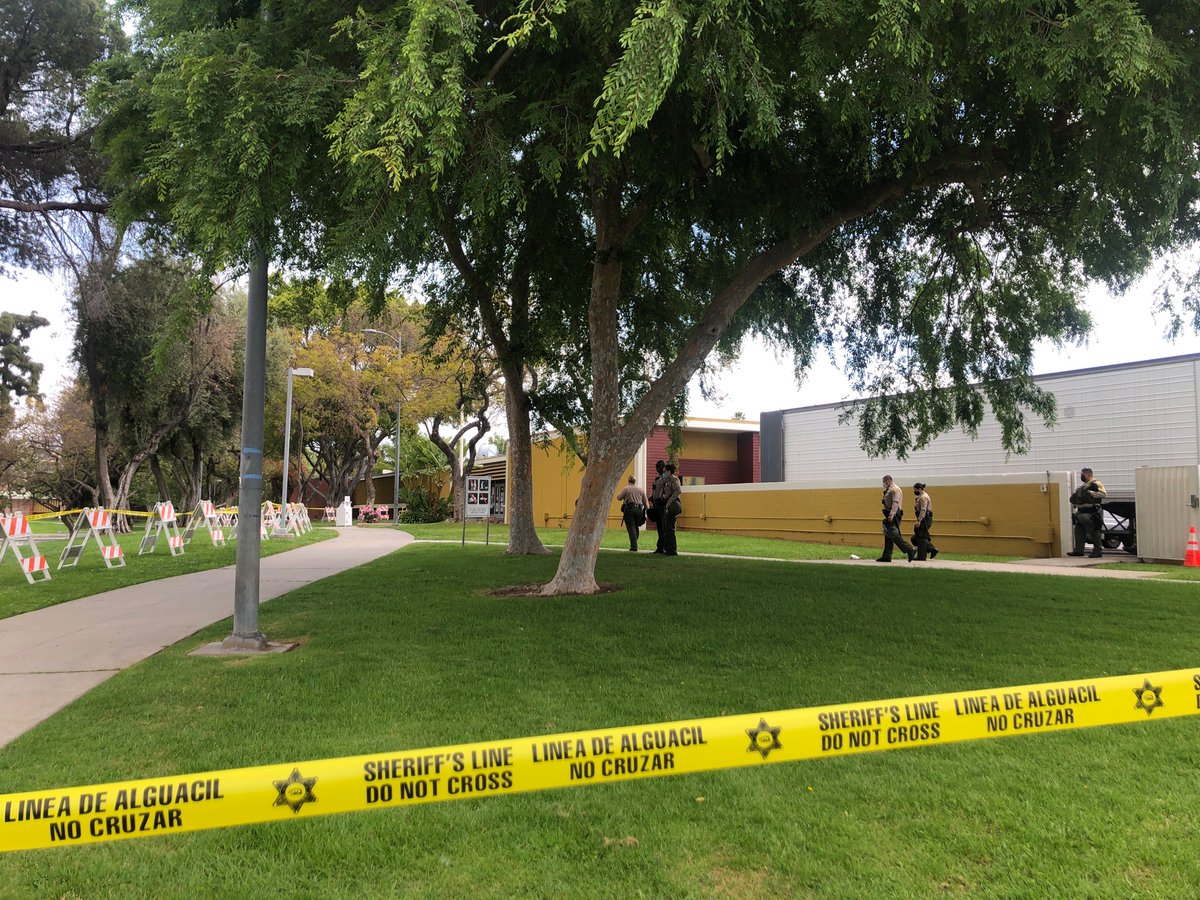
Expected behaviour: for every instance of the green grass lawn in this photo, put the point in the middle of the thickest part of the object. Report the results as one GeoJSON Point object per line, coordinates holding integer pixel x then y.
{"type": "Point", "coordinates": [689, 542]}
{"type": "Point", "coordinates": [89, 575]}
{"type": "Point", "coordinates": [410, 652]}
{"type": "Point", "coordinates": [50, 526]}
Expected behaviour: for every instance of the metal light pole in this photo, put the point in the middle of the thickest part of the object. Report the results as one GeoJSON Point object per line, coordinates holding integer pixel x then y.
{"type": "Point", "coordinates": [287, 441]}
{"type": "Point", "coordinates": [396, 453]}
{"type": "Point", "coordinates": [246, 635]}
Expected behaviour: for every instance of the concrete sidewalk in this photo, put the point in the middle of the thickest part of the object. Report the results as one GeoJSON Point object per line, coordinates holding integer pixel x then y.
{"type": "Point", "coordinates": [51, 656]}
{"type": "Point", "coordinates": [1077, 567]}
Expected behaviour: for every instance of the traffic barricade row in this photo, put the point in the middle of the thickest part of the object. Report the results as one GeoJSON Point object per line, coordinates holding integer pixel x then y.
{"type": "Point", "coordinates": [95, 525]}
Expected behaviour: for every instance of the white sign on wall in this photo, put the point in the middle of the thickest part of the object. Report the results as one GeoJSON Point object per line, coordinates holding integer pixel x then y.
{"type": "Point", "coordinates": [479, 496]}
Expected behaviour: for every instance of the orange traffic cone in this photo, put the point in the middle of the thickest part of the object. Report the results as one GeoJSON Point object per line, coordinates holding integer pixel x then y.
{"type": "Point", "coordinates": [1192, 556]}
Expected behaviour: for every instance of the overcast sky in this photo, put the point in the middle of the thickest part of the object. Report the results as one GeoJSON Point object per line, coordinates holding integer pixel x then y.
{"type": "Point", "coordinates": [1124, 331]}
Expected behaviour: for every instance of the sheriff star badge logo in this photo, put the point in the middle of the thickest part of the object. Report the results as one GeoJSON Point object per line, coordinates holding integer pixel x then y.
{"type": "Point", "coordinates": [763, 738]}
{"type": "Point", "coordinates": [295, 791]}
{"type": "Point", "coordinates": [1148, 696]}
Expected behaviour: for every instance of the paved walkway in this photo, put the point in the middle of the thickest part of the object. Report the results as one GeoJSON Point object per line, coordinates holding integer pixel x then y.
{"type": "Point", "coordinates": [51, 656]}
{"type": "Point", "coordinates": [1079, 567]}
{"type": "Point", "coordinates": [1071, 567]}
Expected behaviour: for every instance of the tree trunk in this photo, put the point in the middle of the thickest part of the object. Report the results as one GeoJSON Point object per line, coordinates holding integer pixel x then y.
{"type": "Point", "coordinates": [196, 488]}
{"type": "Point", "coordinates": [577, 566]}
{"type": "Point", "coordinates": [606, 461]}
{"type": "Point", "coordinates": [523, 538]}
{"type": "Point", "coordinates": [457, 495]}
{"type": "Point", "coordinates": [124, 484]}
{"type": "Point", "coordinates": [104, 493]}
{"type": "Point", "coordinates": [371, 479]}
{"type": "Point", "coordinates": [164, 492]}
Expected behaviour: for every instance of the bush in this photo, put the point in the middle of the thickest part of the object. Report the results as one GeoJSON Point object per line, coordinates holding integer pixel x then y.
{"type": "Point", "coordinates": [424, 508]}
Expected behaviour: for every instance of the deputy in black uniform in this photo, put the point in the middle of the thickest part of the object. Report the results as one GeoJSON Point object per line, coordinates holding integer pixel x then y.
{"type": "Point", "coordinates": [924, 514]}
{"type": "Point", "coordinates": [672, 509]}
{"type": "Point", "coordinates": [1086, 513]}
{"type": "Point", "coordinates": [655, 512]}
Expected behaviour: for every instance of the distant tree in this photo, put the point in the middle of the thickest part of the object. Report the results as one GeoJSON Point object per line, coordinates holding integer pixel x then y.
{"type": "Point", "coordinates": [19, 374]}
{"type": "Point", "coordinates": [498, 444]}
{"type": "Point", "coordinates": [57, 463]}
{"type": "Point", "coordinates": [423, 479]}
{"type": "Point", "coordinates": [345, 407]}
{"type": "Point", "coordinates": [464, 385]}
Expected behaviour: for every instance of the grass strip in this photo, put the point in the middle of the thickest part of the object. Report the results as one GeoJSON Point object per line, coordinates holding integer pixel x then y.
{"type": "Point", "coordinates": [689, 542]}
{"type": "Point", "coordinates": [90, 576]}
{"type": "Point", "coordinates": [411, 651]}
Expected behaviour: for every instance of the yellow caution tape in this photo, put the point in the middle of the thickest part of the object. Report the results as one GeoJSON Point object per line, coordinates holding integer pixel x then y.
{"type": "Point", "coordinates": [52, 515]}
{"type": "Point", "coordinates": [288, 791]}
{"type": "Point", "coordinates": [72, 512]}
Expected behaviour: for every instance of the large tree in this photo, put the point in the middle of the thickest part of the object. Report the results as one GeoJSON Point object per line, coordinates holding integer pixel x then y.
{"type": "Point", "coordinates": [930, 185]}
{"type": "Point", "coordinates": [217, 123]}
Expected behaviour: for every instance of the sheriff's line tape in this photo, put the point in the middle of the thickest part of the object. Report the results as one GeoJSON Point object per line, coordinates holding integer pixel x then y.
{"type": "Point", "coordinates": [172, 804]}
{"type": "Point", "coordinates": [52, 515]}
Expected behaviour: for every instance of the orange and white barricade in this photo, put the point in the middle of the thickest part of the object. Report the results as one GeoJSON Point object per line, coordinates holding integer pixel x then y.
{"type": "Point", "coordinates": [97, 523]}
{"type": "Point", "coordinates": [298, 522]}
{"type": "Point", "coordinates": [15, 533]}
{"type": "Point", "coordinates": [162, 521]}
{"type": "Point", "coordinates": [268, 522]}
{"type": "Point", "coordinates": [205, 514]}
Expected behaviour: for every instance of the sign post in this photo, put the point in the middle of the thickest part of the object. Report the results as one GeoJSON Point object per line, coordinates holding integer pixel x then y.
{"type": "Point", "coordinates": [478, 502]}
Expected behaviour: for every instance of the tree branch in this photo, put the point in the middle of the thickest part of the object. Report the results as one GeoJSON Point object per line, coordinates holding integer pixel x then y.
{"type": "Point", "coordinates": [53, 206]}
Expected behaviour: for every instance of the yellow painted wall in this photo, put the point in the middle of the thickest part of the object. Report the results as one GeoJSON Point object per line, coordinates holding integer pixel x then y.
{"type": "Point", "coordinates": [557, 476]}
{"type": "Point", "coordinates": [992, 518]}
{"type": "Point", "coordinates": [708, 445]}
{"type": "Point", "coordinates": [383, 490]}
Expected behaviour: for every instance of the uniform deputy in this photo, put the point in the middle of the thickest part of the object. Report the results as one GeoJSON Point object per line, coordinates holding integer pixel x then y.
{"type": "Point", "coordinates": [1086, 512]}
{"type": "Point", "coordinates": [924, 518]}
{"type": "Point", "coordinates": [893, 512]}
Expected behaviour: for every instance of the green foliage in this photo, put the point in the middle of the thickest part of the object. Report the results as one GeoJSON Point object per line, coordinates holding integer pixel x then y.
{"type": "Point", "coordinates": [46, 50]}
{"type": "Point", "coordinates": [926, 185]}
{"type": "Point", "coordinates": [19, 374]}
{"type": "Point", "coordinates": [215, 121]}
{"type": "Point", "coordinates": [422, 507]}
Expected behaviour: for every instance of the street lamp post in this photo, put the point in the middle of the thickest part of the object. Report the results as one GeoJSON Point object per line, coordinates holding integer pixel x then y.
{"type": "Point", "coordinates": [304, 372]}
{"type": "Point", "coordinates": [396, 450]}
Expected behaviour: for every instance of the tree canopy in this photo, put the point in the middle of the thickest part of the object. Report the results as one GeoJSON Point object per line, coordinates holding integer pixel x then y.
{"type": "Point", "coordinates": [928, 186]}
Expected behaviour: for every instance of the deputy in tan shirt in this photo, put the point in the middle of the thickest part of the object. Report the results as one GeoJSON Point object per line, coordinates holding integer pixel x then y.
{"type": "Point", "coordinates": [633, 510]}
{"type": "Point", "coordinates": [893, 512]}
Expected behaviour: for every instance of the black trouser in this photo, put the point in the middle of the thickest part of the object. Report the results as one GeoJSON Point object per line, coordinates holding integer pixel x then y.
{"type": "Point", "coordinates": [670, 513]}
{"type": "Point", "coordinates": [632, 527]}
{"type": "Point", "coordinates": [892, 536]}
{"type": "Point", "coordinates": [921, 540]}
{"type": "Point", "coordinates": [1087, 528]}
{"type": "Point", "coordinates": [659, 515]}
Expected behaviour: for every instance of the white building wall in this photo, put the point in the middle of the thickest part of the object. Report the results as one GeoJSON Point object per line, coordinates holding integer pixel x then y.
{"type": "Point", "coordinates": [1113, 419]}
